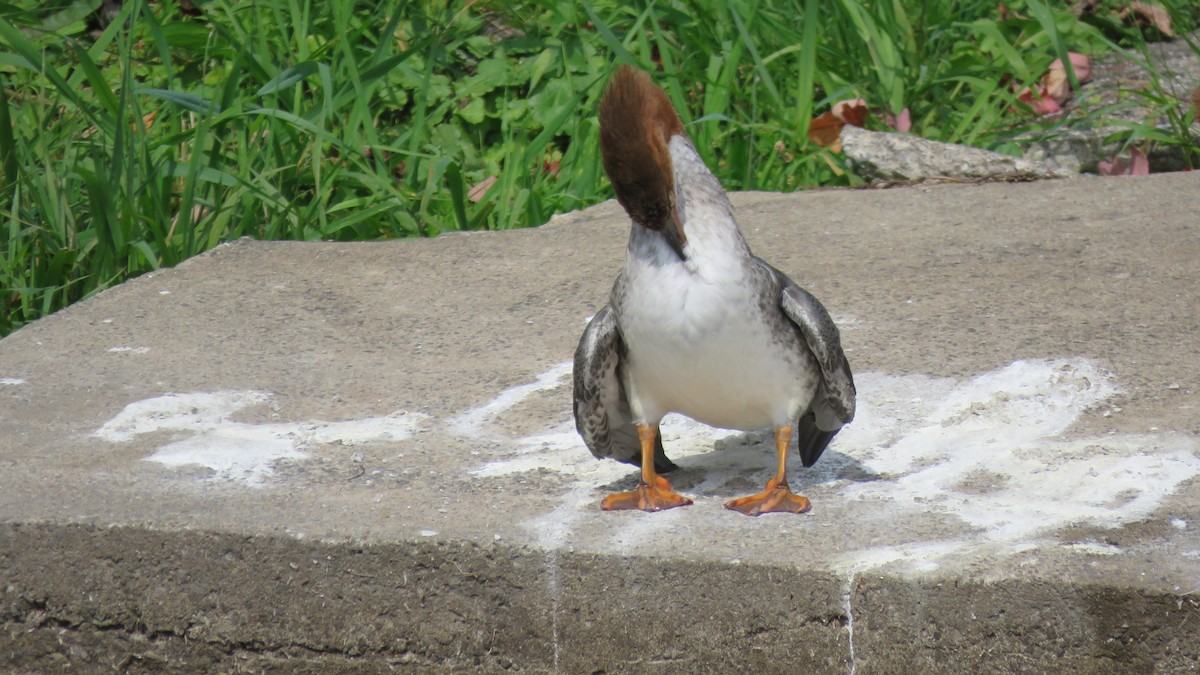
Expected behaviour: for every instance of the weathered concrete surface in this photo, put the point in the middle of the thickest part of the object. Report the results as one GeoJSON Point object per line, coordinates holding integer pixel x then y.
{"type": "Point", "coordinates": [368, 461]}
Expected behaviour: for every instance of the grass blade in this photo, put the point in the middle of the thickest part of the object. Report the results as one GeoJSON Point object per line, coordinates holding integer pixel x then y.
{"type": "Point", "coordinates": [8, 151]}
{"type": "Point", "coordinates": [807, 67]}
{"type": "Point", "coordinates": [288, 77]}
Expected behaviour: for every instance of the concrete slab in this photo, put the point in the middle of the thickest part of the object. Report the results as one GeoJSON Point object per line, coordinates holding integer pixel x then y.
{"type": "Point", "coordinates": [355, 457]}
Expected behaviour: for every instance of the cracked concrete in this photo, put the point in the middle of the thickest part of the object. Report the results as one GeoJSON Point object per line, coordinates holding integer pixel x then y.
{"type": "Point", "coordinates": [359, 457]}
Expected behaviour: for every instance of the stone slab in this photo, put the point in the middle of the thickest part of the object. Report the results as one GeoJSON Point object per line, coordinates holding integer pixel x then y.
{"type": "Point", "coordinates": [356, 457]}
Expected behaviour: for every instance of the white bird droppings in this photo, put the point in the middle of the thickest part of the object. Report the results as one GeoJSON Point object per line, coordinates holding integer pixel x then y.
{"type": "Point", "coordinates": [990, 451]}
{"type": "Point", "coordinates": [239, 451]}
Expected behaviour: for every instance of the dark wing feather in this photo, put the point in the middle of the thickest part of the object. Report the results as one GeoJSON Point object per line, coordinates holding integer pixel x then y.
{"type": "Point", "coordinates": [833, 403]}
{"type": "Point", "coordinates": [602, 413]}
{"type": "Point", "coordinates": [810, 439]}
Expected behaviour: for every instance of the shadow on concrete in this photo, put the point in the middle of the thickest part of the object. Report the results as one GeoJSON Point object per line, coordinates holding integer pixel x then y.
{"type": "Point", "coordinates": [743, 463]}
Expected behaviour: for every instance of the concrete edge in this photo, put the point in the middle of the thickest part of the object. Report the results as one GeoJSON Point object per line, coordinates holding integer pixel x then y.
{"type": "Point", "coordinates": [141, 600]}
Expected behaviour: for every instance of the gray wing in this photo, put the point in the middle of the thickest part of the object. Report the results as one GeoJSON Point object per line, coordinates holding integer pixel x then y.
{"type": "Point", "coordinates": [602, 413]}
{"type": "Point", "coordinates": [833, 404]}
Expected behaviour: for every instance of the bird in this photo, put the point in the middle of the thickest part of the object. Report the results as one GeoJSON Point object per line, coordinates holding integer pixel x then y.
{"type": "Point", "coordinates": [696, 324]}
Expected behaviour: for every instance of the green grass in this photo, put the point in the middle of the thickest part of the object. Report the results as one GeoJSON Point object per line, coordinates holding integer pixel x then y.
{"type": "Point", "coordinates": [157, 136]}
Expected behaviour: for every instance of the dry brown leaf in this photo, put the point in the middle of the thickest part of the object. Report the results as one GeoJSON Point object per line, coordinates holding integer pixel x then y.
{"type": "Point", "coordinates": [1006, 13]}
{"type": "Point", "coordinates": [825, 129]}
{"type": "Point", "coordinates": [1055, 83]}
{"type": "Point", "coordinates": [1196, 102]}
{"type": "Point", "coordinates": [851, 112]}
{"type": "Point", "coordinates": [147, 122]}
{"type": "Point", "coordinates": [1149, 15]}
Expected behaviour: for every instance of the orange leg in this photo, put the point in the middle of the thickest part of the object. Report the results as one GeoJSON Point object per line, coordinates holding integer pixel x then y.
{"type": "Point", "coordinates": [776, 496]}
{"type": "Point", "coordinates": [654, 494]}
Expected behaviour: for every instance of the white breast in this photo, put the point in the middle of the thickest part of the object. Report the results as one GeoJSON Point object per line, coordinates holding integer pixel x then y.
{"type": "Point", "coordinates": [703, 348]}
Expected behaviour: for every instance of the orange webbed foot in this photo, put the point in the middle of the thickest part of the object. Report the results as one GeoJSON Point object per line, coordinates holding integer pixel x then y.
{"type": "Point", "coordinates": [656, 497]}
{"type": "Point", "coordinates": [775, 498]}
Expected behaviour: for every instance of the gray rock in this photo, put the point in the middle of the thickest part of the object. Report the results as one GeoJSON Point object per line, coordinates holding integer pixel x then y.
{"type": "Point", "coordinates": [1127, 88]}
{"type": "Point", "coordinates": [1071, 152]}
{"type": "Point", "coordinates": [877, 155]}
{"type": "Point", "coordinates": [1078, 151]}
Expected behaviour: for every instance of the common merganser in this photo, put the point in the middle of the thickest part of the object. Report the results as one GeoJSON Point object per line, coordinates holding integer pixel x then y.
{"type": "Point", "coordinates": [696, 323]}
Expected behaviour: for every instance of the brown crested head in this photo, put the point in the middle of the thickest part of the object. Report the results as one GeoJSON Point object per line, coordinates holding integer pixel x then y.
{"type": "Point", "coordinates": [637, 121]}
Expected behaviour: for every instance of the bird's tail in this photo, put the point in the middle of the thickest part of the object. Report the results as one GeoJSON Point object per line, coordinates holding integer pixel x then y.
{"type": "Point", "coordinates": [812, 441]}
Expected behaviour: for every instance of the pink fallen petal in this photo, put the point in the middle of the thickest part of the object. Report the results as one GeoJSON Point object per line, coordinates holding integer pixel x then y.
{"type": "Point", "coordinates": [1113, 168]}
{"type": "Point", "coordinates": [1082, 65]}
{"type": "Point", "coordinates": [1041, 102]}
{"type": "Point", "coordinates": [1139, 163]}
{"type": "Point", "coordinates": [901, 122]}
{"type": "Point", "coordinates": [480, 189]}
